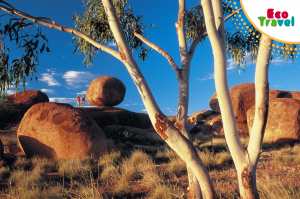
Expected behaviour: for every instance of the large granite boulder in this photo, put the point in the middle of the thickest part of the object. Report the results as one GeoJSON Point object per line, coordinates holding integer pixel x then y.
{"type": "Point", "coordinates": [106, 91]}
{"type": "Point", "coordinates": [283, 124]}
{"type": "Point", "coordinates": [243, 98]}
{"type": "Point", "coordinates": [55, 130]}
{"type": "Point", "coordinates": [107, 116]}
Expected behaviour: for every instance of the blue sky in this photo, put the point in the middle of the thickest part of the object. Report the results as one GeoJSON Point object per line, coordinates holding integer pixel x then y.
{"type": "Point", "coordinates": [62, 75]}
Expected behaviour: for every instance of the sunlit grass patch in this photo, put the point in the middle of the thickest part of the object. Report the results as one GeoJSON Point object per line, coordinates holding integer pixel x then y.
{"type": "Point", "coordinates": [176, 166]}
{"type": "Point", "coordinates": [163, 191]}
{"type": "Point", "coordinates": [287, 150]}
{"type": "Point", "coordinates": [224, 157]}
{"type": "Point", "coordinates": [273, 189]}
{"type": "Point", "coordinates": [207, 158]}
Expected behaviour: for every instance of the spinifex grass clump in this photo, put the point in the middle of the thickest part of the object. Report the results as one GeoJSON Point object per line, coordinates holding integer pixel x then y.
{"type": "Point", "coordinates": [74, 169]}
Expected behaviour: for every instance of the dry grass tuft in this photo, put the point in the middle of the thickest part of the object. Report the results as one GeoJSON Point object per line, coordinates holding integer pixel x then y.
{"type": "Point", "coordinates": [207, 158]}
{"type": "Point", "coordinates": [74, 169]}
{"type": "Point", "coordinates": [224, 157]}
{"type": "Point", "coordinates": [273, 189]}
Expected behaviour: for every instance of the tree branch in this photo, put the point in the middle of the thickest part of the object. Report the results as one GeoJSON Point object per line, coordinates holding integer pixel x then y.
{"type": "Point", "coordinates": [161, 51]}
{"type": "Point", "coordinates": [180, 26]}
{"type": "Point", "coordinates": [203, 33]}
{"type": "Point", "coordinates": [41, 20]}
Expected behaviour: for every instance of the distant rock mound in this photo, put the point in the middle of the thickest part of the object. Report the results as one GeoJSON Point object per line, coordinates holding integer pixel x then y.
{"type": "Point", "coordinates": [56, 130]}
{"type": "Point", "coordinates": [106, 91]}
{"type": "Point", "coordinates": [28, 98]}
{"type": "Point", "coordinates": [242, 97]}
{"type": "Point", "coordinates": [283, 124]}
{"type": "Point", "coordinates": [15, 106]}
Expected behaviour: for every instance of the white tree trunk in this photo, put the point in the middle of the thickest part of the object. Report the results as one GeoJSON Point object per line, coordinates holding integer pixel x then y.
{"type": "Point", "coordinates": [245, 161]}
{"type": "Point", "coordinates": [260, 119]}
{"type": "Point", "coordinates": [173, 137]}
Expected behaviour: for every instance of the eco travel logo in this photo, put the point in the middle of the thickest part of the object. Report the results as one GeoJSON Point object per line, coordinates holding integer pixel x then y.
{"type": "Point", "coordinates": [280, 16]}
{"type": "Point", "coordinates": [279, 20]}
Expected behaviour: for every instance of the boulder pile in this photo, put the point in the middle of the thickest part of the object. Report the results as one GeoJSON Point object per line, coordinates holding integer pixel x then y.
{"type": "Point", "coordinates": [283, 124]}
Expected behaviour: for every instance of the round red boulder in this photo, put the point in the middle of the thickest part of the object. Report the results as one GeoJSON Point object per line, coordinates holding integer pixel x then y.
{"type": "Point", "coordinates": [106, 91]}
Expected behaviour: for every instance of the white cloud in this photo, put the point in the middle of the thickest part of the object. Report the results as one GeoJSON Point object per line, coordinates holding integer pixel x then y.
{"type": "Point", "coordinates": [278, 86]}
{"type": "Point", "coordinates": [134, 104]}
{"type": "Point", "coordinates": [112, 44]}
{"type": "Point", "coordinates": [45, 90]}
{"type": "Point", "coordinates": [231, 64]}
{"type": "Point", "coordinates": [209, 76]}
{"type": "Point", "coordinates": [77, 79]}
{"type": "Point", "coordinates": [81, 93]}
{"type": "Point", "coordinates": [278, 61]}
{"type": "Point", "coordinates": [62, 99]}
{"type": "Point", "coordinates": [11, 92]}
{"type": "Point", "coordinates": [144, 110]}
{"type": "Point", "coordinates": [49, 77]}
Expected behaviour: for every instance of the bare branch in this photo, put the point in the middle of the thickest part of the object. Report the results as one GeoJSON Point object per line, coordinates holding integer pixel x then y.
{"type": "Point", "coordinates": [161, 51]}
{"type": "Point", "coordinates": [41, 20]}
{"type": "Point", "coordinates": [229, 16]}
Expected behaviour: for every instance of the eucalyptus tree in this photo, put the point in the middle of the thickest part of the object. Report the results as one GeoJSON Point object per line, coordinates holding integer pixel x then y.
{"type": "Point", "coordinates": [114, 21]}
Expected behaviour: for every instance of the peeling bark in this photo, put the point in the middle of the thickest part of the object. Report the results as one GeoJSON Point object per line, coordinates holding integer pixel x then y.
{"type": "Point", "coordinates": [161, 126]}
{"type": "Point", "coordinates": [246, 178]}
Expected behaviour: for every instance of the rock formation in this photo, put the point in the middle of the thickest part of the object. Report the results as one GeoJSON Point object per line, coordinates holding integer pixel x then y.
{"type": "Point", "coordinates": [106, 91]}
{"type": "Point", "coordinates": [56, 130]}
